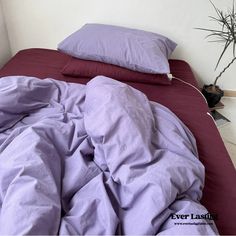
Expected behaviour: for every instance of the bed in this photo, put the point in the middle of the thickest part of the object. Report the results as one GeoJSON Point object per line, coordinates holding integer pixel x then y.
{"type": "Point", "coordinates": [219, 194]}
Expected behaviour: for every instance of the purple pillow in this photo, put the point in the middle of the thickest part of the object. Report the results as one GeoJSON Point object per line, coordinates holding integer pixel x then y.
{"type": "Point", "coordinates": [130, 48]}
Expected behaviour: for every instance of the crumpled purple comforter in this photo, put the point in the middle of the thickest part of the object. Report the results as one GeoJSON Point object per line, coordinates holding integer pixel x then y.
{"type": "Point", "coordinates": [95, 159]}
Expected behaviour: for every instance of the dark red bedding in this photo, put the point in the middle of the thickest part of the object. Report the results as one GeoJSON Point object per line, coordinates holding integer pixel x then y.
{"type": "Point", "coordinates": [219, 194]}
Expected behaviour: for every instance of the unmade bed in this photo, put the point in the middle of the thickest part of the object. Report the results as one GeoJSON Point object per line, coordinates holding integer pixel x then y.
{"type": "Point", "coordinates": [219, 193]}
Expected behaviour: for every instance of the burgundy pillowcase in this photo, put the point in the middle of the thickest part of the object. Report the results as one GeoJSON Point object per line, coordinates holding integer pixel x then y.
{"type": "Point", "coordinates": [85, 68]}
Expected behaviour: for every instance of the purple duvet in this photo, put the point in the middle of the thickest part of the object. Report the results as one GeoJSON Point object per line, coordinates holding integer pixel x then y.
{"type": "Point", "coordinates": [95, 159]}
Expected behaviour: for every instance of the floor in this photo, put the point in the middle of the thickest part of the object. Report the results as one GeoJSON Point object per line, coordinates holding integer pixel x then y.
{"type": "Point", "coordinates": [228, 131]}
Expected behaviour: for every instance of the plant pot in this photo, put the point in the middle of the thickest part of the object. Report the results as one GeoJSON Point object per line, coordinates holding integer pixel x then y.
{"type": "Point", "coordinates": [213, 94]}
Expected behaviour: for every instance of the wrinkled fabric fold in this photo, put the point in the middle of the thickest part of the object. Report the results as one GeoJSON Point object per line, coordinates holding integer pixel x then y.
{"type": "Point", "coordinates": [94, 159]}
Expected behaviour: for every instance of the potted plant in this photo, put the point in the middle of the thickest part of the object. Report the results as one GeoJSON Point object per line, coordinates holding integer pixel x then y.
{"type": "Point", "coordinates": [226, 34]}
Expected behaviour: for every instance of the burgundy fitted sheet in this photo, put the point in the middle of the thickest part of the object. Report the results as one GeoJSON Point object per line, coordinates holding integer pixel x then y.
{"type": "Point", "coordinates": [219, 194]}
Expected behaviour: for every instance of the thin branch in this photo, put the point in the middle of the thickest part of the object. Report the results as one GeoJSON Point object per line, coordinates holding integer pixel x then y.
{"type": "Point", "coordinates": [223, 71]}
{"type": "Point", "coordinates": [225, 48]}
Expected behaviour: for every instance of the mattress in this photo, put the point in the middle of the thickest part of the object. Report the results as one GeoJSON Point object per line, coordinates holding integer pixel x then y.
{"type": "Point", "coordinates": [219, 193]}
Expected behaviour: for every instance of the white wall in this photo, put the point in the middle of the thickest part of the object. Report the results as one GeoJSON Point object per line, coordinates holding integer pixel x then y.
{"type": "Point", "coordinates": [44, 23]}
{"type": "Point", "coordinates": [4, 43]}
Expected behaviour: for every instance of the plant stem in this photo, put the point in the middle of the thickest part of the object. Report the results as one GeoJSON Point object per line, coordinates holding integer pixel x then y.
{"type": "Point", "coordinates": [224, 71]}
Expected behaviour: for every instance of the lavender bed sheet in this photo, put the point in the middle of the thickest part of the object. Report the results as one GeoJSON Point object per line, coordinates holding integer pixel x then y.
{"type": "Point", "coordinates": [94, 159]}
